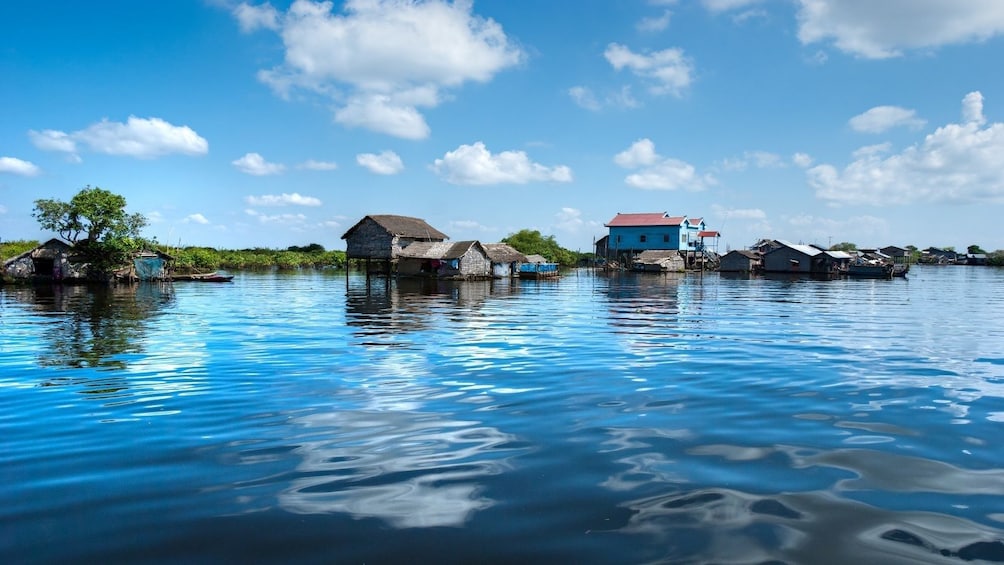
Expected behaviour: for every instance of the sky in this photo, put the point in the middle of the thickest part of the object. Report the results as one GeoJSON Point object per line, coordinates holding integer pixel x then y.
{"type": "Point", "coordinates": [238, 125]}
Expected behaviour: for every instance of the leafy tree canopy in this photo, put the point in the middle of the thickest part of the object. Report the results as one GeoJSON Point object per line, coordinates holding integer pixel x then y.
{"type": "Point", "coordinates": [531, 242]}
{"type": "Point", "coordinates": [844, 246]}
{"type": "Point", "coordinates": [94, 214]}
{"type": "Point", "coordinates": [96, 223]}
{"type": "Point", "coordinates": [973, 249]}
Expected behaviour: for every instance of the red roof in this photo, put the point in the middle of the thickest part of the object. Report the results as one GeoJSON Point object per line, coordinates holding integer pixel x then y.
{"type": "Point", "coordinates": [694, 221]}
{"type": "Point", "coordinates": [709, 233]}
{"type": "Point", "coordinates": [645, 219]}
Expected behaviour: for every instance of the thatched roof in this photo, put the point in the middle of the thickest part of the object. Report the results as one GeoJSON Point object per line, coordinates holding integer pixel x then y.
{"type": "Point", "coordinates": [503, 253]}
{"type": "Point", "coordinates": [536, 259]}
{"type": "Point", "coordinates": [442, 250]}
{"type": "Point", "coordinates": [401, 226]}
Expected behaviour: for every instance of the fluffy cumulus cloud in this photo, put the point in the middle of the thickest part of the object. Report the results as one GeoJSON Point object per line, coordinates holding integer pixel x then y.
{"type": "Point", "coordinates": [143, 138]}
{"type": "Point", "coordinates": [878, 30]}
{"type": "Point", "coordinates": [668, 71]}
{"type": "Point", "coordinates": [255, 164]}
{"type": "Point", "coordinates": [294, 199]}
{"type": "Point", "coordinates": [476, 165]}
{"type": "Point", "coordinates": [18, 167]}
{"type": "Point", "coordinates": [383, 163]}
{"type": "Point", "coordinates": [382, 61]}
{"type": "Point", "coordinates": [883, 118]}
{"type": "Point", "coordinates": [957, 163]}
{"type": "Point", "coordinates": [653, 24]}
{"type": "Point", "coordinates": [195, 219]}
{"type": "Point", "coordinates": [656, 172]}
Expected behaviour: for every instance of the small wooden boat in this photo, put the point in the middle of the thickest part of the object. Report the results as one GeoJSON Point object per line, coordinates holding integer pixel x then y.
{"type": "Point", "coordinates": [203, 277]}
{"type": "Point", "coordinates": [870, 270]}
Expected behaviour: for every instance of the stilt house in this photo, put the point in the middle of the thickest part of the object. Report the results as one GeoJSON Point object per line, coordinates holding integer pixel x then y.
{"type": "Point", "coordinates": [381, 237]}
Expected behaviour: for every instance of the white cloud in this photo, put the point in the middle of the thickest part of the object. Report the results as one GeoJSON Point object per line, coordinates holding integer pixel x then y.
{"type": "Point", "coordinates": [803, 160]}
{"type": "Point", "coordinates": [3, 209]}
{"type": "Point", "coordinates": [718, 6]}
{"type": "Point", "coordinates": [475, 165]}
{"type": "Point", "coordinates": [384, 114]}
{"type": "Point", "coordinates": [144, 138]}
{"type": "Point", "coordinates": [52, 140]}
{"type": "Point", "coordinates": [154, 217]}
{"type": "Point", "coordinates": [384, 163]}
{"type": "Point", "coordinates": [669, 70]}
{"type": "Point", "coordinates": [570, 220]}
{"type": "Point", "coordinates": [738, 213]}
{"type": "Point", "coordinates": [826, 231]}
{"type": "Point", "coordinates": [294, 199]}
{"type": "Point", "coordinates": [658, 172]}
{"type": "Point", "coordinates": [278, 219]}
{"type": "Point", "coordinates": [640, 154]}
{"type": "Point", "coordinates": [883, 118]}
{"type": "Point", "coordinates": [252, 18]}
{"type": "Point", "coordinates": [313, 165]}
{"type": "Point", "coordinates": [758, 159]}
{"type": "Point", "coordinates": [195, 219]}
{"type": "Point", "coordinates": [469, 225]}
{"type": "Point", "coordinates": [255, 164]}
{"type": "Point", "coordinates": [958, 163]}
{"type": "Point", "coordinates": [584, 97]}
{"type": "Point", "coordinates": [878, 30]}
{"type": "Point", "coordinates": [18, 167]}
{"type": "Point", "coordinates": [373, 54]}
{"type": "Point", "coordinates": [972, 109]}
{"type": "Point", "coordinates": [655, 24]}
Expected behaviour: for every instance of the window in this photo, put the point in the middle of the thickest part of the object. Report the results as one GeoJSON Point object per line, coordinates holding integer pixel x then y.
{"type": "Point", "coordinates": [642, 238]}
{"type": "Point", "coordinates": [683, 238]}
{"type": "Point", "coordinates": [665, 238]}
{"type": "Point", "coordinates": [618, 239]}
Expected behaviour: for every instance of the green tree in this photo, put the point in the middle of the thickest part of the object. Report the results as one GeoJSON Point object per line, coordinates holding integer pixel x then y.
{"type": "Point", "coordinates": [95, 222]}
{"type": "Point", "coordinates": [844, 246]}
{"type": "Point", "coordinates": [531, 242]}
{"type": "Point", "coordinates": [974, 249]}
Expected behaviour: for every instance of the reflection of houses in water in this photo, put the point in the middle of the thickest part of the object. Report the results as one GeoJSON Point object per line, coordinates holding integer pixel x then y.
{"type": "Point", "coordinates": [410, 469]}
{"type": "Point", "coordinates": [387, 306]}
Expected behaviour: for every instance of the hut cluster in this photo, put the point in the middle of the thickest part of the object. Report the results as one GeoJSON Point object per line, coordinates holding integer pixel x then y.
{"type": "Point", "coordinates": [58, 261]}
{"type": "Point", "coordinates": [405, 246]}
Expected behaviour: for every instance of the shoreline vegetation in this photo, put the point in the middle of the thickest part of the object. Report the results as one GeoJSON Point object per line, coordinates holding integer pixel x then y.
{"type": "Point", "coordinates": [315, 256]}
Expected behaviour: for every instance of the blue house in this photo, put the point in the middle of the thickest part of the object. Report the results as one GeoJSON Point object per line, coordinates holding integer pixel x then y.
{"type": "Point", "coordinates": [634, 233]}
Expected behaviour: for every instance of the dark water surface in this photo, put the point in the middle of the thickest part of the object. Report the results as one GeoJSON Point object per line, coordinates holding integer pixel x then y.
{"type": "Point", "coordinates": [594, 419]}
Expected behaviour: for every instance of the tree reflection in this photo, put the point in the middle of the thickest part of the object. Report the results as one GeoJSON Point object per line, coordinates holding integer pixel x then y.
{"type": "Point", "coordinates": [96, 326]}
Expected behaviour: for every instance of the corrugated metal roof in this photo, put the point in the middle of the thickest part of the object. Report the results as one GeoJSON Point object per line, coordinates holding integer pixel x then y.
{"type": "Point", "coordinates": [645, 219]}
{"type": "Point", "coordinates": [708, 233]}
{"type": "Point", "coordinates": [402, 226]}
{"type": "Point", "coordinates": [806, 249]}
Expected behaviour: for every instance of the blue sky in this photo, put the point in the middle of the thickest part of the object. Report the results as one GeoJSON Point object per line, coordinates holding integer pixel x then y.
{"type": "Point", "coordinates": [274, 124]}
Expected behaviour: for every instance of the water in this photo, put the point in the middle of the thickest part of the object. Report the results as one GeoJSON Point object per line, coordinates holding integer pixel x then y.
{"type": "Point", "coordinates": [594, 419]}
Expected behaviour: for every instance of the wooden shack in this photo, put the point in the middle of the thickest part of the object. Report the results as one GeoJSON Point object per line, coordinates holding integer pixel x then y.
{"type": "Point", "coordinates": [505, 259]}
{"type": "Point", "coordinates": [381, 237]}
{"type": "Point", "coordinates": [741, 261]}
{"type": "Point", "coordinates": [465, 260]}
{"type": "Point", "coordinates": [803, 259]}
{"type": "Point", "coordinates": [53, 261]}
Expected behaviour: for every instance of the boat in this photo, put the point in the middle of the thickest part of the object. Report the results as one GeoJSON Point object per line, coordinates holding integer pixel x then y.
{"type": "Point", "coordinates": [900, 270]}
{"type": "Point", "coordinates": [867, 270]}
{"type": "Point", "coordinates": [203, 277]}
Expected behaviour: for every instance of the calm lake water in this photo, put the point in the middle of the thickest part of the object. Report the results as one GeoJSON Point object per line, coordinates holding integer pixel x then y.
{"type": "Point", "coordinates": [595, 419]}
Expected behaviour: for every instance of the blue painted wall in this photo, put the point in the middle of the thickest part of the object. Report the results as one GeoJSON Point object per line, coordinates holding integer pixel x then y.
{"type": "Point", "coordinates": [656, 237]}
